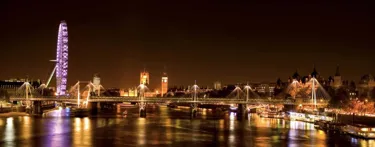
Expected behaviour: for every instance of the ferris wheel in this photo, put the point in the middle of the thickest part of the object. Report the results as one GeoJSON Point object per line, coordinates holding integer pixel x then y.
{"type": "Point", "coordinates": [61, 67]}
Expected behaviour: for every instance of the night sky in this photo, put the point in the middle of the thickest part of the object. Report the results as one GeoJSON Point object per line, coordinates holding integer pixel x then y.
{"type": "Point", "coordinates": [229, 42]}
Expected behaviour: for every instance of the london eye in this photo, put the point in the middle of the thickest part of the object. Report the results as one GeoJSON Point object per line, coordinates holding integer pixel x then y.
{"type": "Point", "coordinates": [62, 59]}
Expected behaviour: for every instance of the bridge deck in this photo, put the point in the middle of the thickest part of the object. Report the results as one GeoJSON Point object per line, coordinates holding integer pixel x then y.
{"type": "Point", "coordinates": [169, 100]}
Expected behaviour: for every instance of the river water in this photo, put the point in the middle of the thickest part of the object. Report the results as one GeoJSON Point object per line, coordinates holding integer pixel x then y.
{"type": "Point", "coordinates": [165, 127]}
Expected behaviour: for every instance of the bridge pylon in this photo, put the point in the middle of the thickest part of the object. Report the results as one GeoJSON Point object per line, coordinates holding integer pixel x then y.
{"type": "Point", "coordinates": [313, 92]}
{"type": "Point", "coordinates": [194, 105]}
{"type": "Point", "coordinates": [142, 103]}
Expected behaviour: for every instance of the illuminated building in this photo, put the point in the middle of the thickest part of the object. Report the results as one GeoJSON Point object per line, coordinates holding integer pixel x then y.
{"type": "Point", "coordinates": [366, 85]}
{"type": "Point", "coordinates": [217, 85]}
{"type": "Point", "coordinates": [11, 86]}
{"type": "Point", "coordinates": [144, 78]}
{"type": "Point", "coordinates": [164, 84]}
{"type": "Point", "coordinates": [96, 80]}
{"type": "Point", "coordinates": [131, 92]}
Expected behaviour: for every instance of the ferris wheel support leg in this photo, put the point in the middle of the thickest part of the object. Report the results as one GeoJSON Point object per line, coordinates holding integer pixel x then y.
{"type": "Point", "coordinates": [50, 77]}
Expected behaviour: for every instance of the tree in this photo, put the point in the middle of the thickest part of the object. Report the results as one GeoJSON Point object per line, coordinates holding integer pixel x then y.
{"type": "Point", "coordinates": [4, 95]}
{"type": "Point", "coordinates": [341, 97]}
{"type": "Point", "coordinates": [372, 94]}
{"type": "Point", "coordinates": [357, 106]}
{"type": "Point", "coordinates": [331, 92]}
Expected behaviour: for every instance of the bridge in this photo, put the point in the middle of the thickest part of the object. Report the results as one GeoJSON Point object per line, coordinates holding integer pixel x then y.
{"type": "Point", "coordinates": [218, 101]}
{"type": "Point", "coordinates": [88, 101]}
{"type": "Point", "coordinates": [89, 98]}
{"type": "Point", "coordinates": [93, 102]}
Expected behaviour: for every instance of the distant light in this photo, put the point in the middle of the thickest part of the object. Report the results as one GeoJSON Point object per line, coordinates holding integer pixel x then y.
{"type": "Point", "coordinates": [364, 129]}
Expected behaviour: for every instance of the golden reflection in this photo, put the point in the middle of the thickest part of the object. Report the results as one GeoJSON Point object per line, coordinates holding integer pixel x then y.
{"type": "Point", "coordinates": [231, 121]}
{"type": "Point", "coordinates": [26, 127]}
{"type": "Point", "coordinates": [221, 130]}
{"type": "Point", "coordinates": [221, 124]}
{"type": "Point", "coordinates": [9, 131]}
{"type": "Point", "coordinates": [82, 134]}
{"type": "Point", "coordinates": [232, 135]}
{"type": "Point", "coordinates": [168, 133]}
{"type": "Point", "coordinates": [369, 143]}
{"type": "Point", "coordinates": [86, 123]}
{"type": "Point", "coordinates": [366, 143]}
{"type": "Point", "coordinates": [77, 124]}
{"type": "Point", "coordinates": [301, 125]}
{"type": "Point", "coordinates": [141, 131]}
{"type": "Point", "coordinates": [321, 136]}
{"type": "Point", "coordinates": [1, 122]}
{"type": "Point", "coordinates": [204, 113]}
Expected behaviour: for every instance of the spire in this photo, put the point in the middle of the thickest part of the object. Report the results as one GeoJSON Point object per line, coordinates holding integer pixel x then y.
{"type": "Point", "coordinates": [296, 75]}
{"type": "Point", "coordinates": [165, 71]}
{"type": "Point", "coordinates": [337, 71]}
{"type": "Point", "coordinates": [314, 73]}
{"type": "Point", "coordinates": [144, 67]}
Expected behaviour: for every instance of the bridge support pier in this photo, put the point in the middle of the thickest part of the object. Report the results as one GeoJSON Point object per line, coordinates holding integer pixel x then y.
{"type": "Point", "coordinates": [99, 107]}
{"type": "Point", "coordinates": [93, 107]}
{"type": "Point", "coordinates": [37, 107]}
{"type": "Point", "coordinates": [193, 110]}
{"type": "Point", "coordinates": [142, 109]}
{"type": "Point", "coordinates": [241, 111]}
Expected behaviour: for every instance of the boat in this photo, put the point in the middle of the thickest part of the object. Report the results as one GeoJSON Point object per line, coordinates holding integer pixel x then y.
{"type": "Point", "coordinates": [321, 124]}
{"type": "Point", "coordinates": [359, 130]}
{"type": "Point", "coordinates": [272, 113]}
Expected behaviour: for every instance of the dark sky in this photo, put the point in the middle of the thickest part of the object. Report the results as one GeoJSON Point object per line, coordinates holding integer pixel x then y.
{"type": "Point", "coordinates": [226, 41]}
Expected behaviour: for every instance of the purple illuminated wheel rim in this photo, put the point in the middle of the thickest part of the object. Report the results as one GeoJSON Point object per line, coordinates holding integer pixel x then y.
{"type": "Point", "coordinates": [62, 59]}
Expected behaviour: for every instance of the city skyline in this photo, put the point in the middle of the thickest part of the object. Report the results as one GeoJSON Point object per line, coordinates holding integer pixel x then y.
{"type": "Point", "coordinates": [227, 42]}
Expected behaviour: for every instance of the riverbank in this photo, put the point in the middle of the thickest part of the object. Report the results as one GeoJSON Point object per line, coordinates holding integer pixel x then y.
{"type": "Point", "coordinates": [12, 114]}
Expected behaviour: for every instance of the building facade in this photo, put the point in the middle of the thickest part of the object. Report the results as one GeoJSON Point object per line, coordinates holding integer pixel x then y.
{"type": "Point", "coordinates": [144, 78]}
{"type": "Point", "coordinates": [337, 81]}
{"type": "Point", "coordinates": [217, 85]}
{"type": "Point", "coordinates": [164, 84]}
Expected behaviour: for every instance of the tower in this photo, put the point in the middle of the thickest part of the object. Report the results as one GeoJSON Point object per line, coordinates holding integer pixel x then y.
{"type": "Point", "coordinates": [96, 80]}
{"type": "Point", "coordinates": [337, 82]}
{"type": "Point", "coordinates": [315, 74]}
{"type": "Point", "coordinates": [164, 84]}
{"type": "Point", "coordinates": [144, 78]}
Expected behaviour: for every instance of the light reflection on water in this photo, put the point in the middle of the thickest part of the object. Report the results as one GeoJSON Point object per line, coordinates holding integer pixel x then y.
{"type": "Point", "coordinates": [163, 127]}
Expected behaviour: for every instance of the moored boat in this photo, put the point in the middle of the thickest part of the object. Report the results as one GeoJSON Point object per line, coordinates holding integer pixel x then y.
{"type": "Point", "coordinates": [360, 130]}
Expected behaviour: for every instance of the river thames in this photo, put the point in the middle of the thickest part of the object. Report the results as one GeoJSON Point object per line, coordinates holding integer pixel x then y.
{"type": "Point", "coordinates": [165, 126]}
